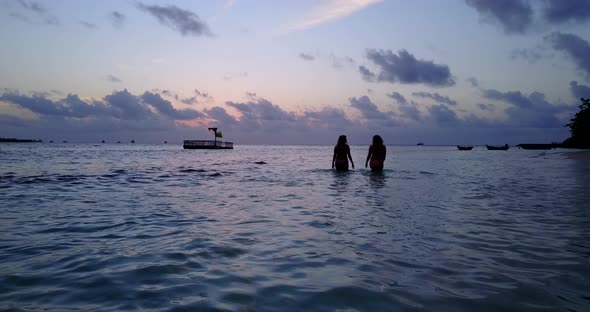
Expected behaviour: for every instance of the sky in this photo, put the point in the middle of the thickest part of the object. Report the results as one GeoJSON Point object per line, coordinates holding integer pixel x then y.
{"type": "Point", "coordinates": [293, 72]}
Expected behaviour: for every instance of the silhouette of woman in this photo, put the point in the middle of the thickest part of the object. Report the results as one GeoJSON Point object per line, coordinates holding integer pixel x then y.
{"type": "Point", "coordinates": [341, 152]}
{"type": "Point", "coordinates": [376, 155]}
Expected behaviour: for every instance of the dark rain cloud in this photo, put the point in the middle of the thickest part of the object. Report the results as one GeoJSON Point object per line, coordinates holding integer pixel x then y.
{"type": "Point", "coordinates": [184, 21]}
{"type": "Point", "coordinates": [406, 69]}
{"type": "Point", "coordinates": [515, 16]}
{"type": "Point", "coordinates": [38, 10]}
{"type": "Point", "coordinates": [562, 11]}
{"type": "Point", "coordinates": [117, 19]}
{"type": "Point", "coordinates": [436, 97]}
{"type": "Point", "coordinates": [579, 91]}
{"type": "Point", "coordinates": [165, 108]}
{"type": "Point", "coordinates": [306, 56]}
{"type": "Point", "coordinates": [575, 47]}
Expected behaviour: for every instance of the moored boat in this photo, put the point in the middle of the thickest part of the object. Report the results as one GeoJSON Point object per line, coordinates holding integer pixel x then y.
{"type": "Point", "coordinates": [464, 147]}
{"type": "Point", "coordinates": [504, 147]}
{"type": "Point", "coordinates": [208, 144]}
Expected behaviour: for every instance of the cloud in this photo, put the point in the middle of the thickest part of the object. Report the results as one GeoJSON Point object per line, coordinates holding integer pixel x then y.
{"type": "Point", "coordinates": [117, 19]}
{"type": "Point", "coordinates": [150, 117]}
{"type": "Point", "coordinates": [38, 10]}
{"type": "Point", "coordinates": [306, 56]}
{"type": "Point", "coordinates": [186, 100]}
{"type": "Point", "coordinates": [230, 76]}
{"type": "Point", "coordinates": [473, 81]}
{"type": "Point", "coordinates": [406, 69]}
{"type": "Point", "coordinates": [437, 97]}
{"type": "Point", "coordinates": [407, 109]}
{"type": "Point", "coordinates": [114, 79]}
{"type": "Point", "coordinates": [515, 98]}
{"type": "Point", "coordinates": [368, 109]}
{"type": "Point", "coordinates": [165, 108]}
{"type": "Point", "coordinates": [124, 105]}
{"type": "Point", "coordinates": [329, 11]}
{"type": "Point", "coordinates": [88, 25]}
{"type": "Point", "coordinates": [531, 110]}
{"type": "Point", "coordinates": [184, 21]}
{"type": "Point", "coordinates": [515, 16]}
{"type": "Point", "coordinates": [398, 97]}
{"type": "Point", "coordinates": [575, 47]}
{"type": "Point", "coordinates": [530, 55]}
{"type": "Point", "coordinates": [443, 115]}
{"type": "Point", "coordinates": [579, 91]}
{"type": "Point", "coordinates": [562, 11]}
{"type": "Point", "coordinates": [339, 62]}
{"type": "Point", "coordinates": [261, 110]}
{"type": "Point", "coordinates": [367, 74]}
{"type": "Point", "coordinates": [221, 116]}
{"type": "Point", "coordinates": [487, 107]}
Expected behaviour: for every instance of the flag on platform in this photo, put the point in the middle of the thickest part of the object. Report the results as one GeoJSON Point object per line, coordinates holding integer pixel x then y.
{"type": "Point", "coordinates": [218, 135]}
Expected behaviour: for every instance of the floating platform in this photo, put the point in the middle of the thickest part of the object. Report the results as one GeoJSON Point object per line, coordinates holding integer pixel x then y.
{"type": "Point", "coordinates": [207, 144]}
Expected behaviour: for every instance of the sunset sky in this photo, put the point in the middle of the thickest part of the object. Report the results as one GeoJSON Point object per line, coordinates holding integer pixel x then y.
{"type": "Point", "coordinates": [293, 72]}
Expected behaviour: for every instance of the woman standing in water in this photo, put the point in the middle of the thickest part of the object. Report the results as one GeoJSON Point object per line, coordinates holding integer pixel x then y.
{"type": "Point", "coordinates": [341, 152]}
{"type": "Point", "coordinates": [376, 154]}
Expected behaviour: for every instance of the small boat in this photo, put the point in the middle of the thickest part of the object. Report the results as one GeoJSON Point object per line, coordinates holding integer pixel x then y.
{"type": "Point", "coordinates": [504, 147]}
{"type": "Point", "coordinates": [420, 144]}
{"type": "Point", "coordinates": [208, 144]}
{"type": "Point", "coordinates": [102, 142]}
{"type": "Point", "coordinates": [132, 141]}
{"type": "Point", "coordinates": [464, 147]}
{"type": "Point", "coordinates": [536, 146]}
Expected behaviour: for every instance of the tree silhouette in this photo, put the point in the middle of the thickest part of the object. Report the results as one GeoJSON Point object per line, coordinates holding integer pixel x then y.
{"type": "Point", "coordinates": [580, 126]}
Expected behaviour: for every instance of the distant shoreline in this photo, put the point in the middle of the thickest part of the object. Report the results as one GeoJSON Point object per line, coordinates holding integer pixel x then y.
{"type": "Point", "coordinates": [13, 140]}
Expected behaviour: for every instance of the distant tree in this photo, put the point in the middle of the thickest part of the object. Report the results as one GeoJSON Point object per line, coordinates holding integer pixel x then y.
{"type": "Point", "coordinates": [580, 125]}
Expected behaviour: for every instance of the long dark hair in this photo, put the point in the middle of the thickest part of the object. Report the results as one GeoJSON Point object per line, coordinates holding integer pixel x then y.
{"type": "Point", "coordinates": [377, 140]}
{"type": "Point", "coordinates": [341, 140]}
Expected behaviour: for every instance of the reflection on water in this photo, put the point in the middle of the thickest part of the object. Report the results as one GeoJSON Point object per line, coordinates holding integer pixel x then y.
{"type": "Point", "coordinates": [158, 228]}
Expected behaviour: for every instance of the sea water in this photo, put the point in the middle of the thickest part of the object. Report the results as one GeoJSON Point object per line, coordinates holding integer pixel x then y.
{"type": "Point", "coordinates": [130, 227]}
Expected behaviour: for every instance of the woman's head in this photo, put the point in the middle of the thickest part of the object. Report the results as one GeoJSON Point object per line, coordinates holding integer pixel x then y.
{"type": "Point", "coordinates": [342, 139]}
{"type": "Point", "coordinates": [377, 140]}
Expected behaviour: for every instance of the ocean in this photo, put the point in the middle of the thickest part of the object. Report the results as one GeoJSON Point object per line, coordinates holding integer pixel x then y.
{"type": "Point", "coordinates": [132, 227]}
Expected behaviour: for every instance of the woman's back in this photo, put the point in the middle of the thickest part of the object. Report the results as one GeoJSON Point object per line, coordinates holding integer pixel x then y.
{"type": "Point", "coordinates": [341, 151]}
{"type": "Point", "coordinates": [378, 151]}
